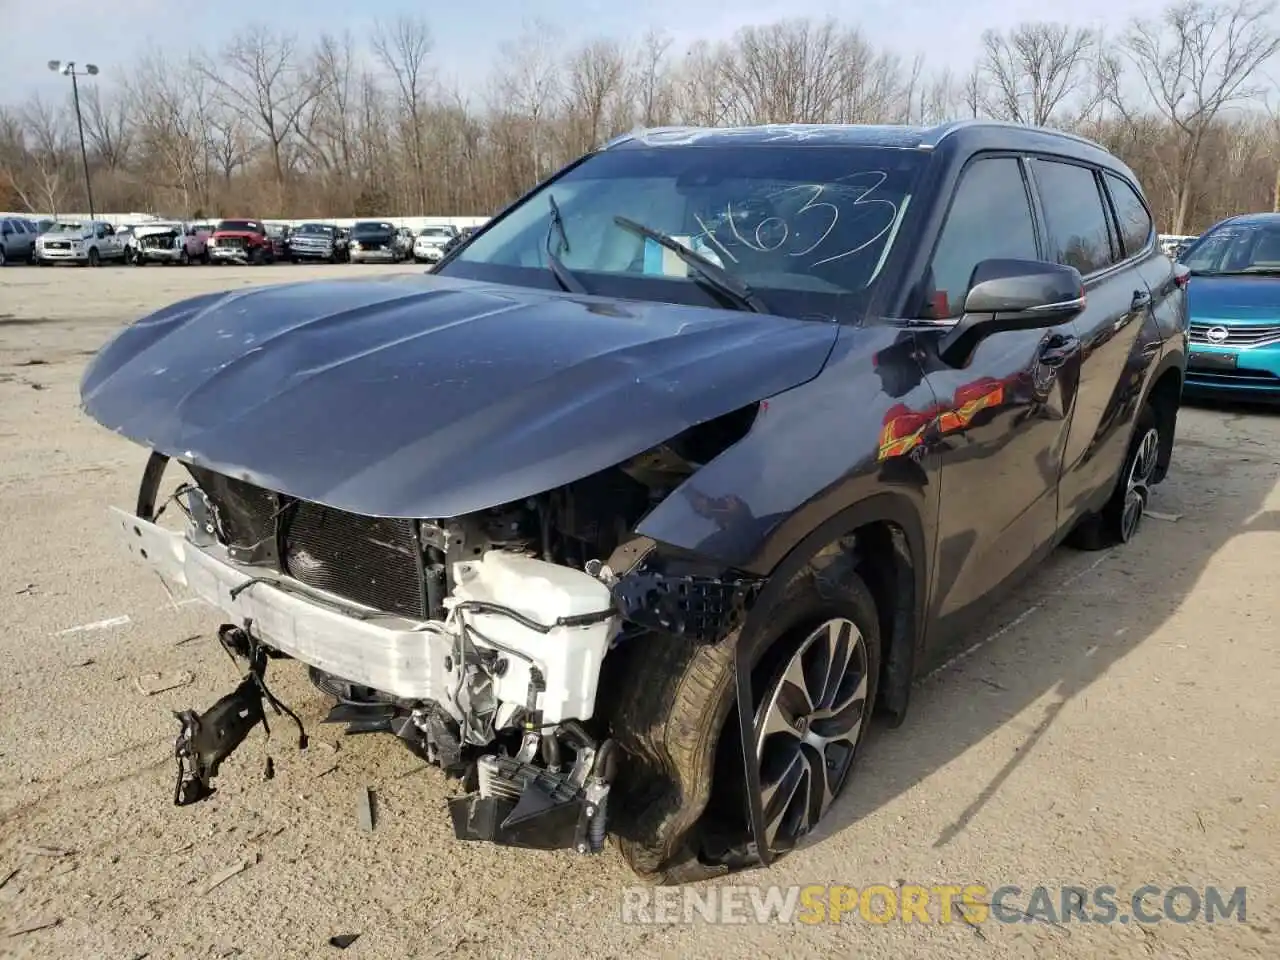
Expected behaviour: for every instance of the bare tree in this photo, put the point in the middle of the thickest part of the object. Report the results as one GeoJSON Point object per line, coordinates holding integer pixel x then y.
{"type": "Point", "coordinates": [267, 128]}
{"type": "Point", "coordinates": [524, 98]}
{"type": "Point", "coordinates": [48, 130]}
{"type": "Point", "coordinates": [403, 48]}
{"type": "Point", "coordinates": [108, 126]}
{"type": "Point", "coordinates": [595, 94]}
{"type": "Point", "coordinates": [1034, 69]}
{"type": "Point", "coordinates": [1195, 62]}
{"type": "Point", "coordinates": [652, 81]}
{"type": "Point", "coordinates": [14, 160]}
{"type": "Point", "coordinates": [171, 103]}
{"type": "Point", "coordinates": [260, 75]}
{"type": "Point", "coordinates": [794, 71]}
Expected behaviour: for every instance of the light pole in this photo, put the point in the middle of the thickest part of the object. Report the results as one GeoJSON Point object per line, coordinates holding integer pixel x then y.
{"type": "Point", "coordinates": [68, 69]}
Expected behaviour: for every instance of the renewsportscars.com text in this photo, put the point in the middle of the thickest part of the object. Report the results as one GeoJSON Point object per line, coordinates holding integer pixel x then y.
{"type": "Point", "coordinates": [939, 904]}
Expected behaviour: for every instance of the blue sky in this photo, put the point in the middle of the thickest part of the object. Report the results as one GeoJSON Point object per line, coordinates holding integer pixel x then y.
{"type": "Point", "coordinates": [468, 36]}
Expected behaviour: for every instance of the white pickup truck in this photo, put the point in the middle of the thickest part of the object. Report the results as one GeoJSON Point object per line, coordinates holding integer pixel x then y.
{"type": "Point", "coordinates": [87, 242]}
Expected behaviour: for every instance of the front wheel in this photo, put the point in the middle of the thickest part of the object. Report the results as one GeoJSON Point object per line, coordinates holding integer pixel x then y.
{"type": "Point", "coordinates": [184, 259]}
{"type": "Point", "coordinates": [683, 815]}
{"type": "Point", "coordinates": [94, 259]}
{"type": "Point", "coordinates": [1119, 521]}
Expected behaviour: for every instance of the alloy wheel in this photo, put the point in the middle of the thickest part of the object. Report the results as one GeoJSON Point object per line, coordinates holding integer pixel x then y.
{"type": "Point", "coordinates": [807, 730]}
{"type": "Point", "coordinates": [1138, 484]}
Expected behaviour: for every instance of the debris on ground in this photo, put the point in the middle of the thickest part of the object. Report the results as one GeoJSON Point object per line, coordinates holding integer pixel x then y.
{"type": "Point", "coordinates": [152, 683]}
{"type": "Point", "coordinates": [343, 940]}
{"type": "Point", "coordinates": [86, 662]}
{"type": "Point", "coordinates": [365, 809]}
{"type": "Point", "coordinates": [29, 590]}
{"type": "Point", "coordinates": [43, 851]}
{"type": "Point", "coordinates": [34, 926]}
{"type": "Point", "coordinates": [194, 636]}
{"type": "Point", "coordinates": [7, 877]}
{"type": "Point", "coordinates": [225, 874]}
{"type": "Point", "coordinates": [265, 832]}
{"type": "Point", "coordinates": [1167, 517]}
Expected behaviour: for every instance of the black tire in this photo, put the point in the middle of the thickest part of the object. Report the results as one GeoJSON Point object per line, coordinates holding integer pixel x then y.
{"type": "Point", "coordinates": [678, 700]}
{"type": "Point", "coordinates": [1109, 527]}
{"type": "Point", "coordinates": [94, 259]}
{"type": "Point", "coordinates": [3, 257]}
{"type": "Point", "coordinates": [184, 259]}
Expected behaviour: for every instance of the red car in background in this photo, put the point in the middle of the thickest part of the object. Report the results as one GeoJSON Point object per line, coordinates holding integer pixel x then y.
{"type": "Point", "coordinates": [241, 241]}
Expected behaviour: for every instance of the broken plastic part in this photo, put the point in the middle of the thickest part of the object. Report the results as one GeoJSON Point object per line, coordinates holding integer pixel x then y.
{"type": "Point", "coordinates": [702, 608]}
{"type": "Point", "coordinates": [521, 805]}
{"type": "Point", "coordinates": [209, 738]}
{"type": "Point", "coordinates": [206, 739]}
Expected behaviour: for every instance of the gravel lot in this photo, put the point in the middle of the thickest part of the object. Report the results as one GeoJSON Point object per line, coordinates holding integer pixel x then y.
{"type": "Point", "coordinates": [1118, 726]}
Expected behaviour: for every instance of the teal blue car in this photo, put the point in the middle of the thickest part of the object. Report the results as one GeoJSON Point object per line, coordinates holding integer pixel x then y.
{"type": "Point", "coordinates": [1234, 302]}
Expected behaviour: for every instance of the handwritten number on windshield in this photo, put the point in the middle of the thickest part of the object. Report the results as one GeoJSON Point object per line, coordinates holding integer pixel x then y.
{"type": "Point", "coordinates": [864, 199]}
{"type": "Point", "coordinates": [771, 234]}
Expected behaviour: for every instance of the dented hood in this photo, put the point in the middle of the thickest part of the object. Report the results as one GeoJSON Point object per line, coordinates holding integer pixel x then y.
{"type": "Point", "coordinates": [427, 396]}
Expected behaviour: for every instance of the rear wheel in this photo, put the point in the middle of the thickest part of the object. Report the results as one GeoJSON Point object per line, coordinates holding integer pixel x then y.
{"type": "Point", "coordinates": [1119, 521]}
{"type": "Point", "coordinates": [813, 690]}
{"type": "Point", "coordinates": [3, 259]}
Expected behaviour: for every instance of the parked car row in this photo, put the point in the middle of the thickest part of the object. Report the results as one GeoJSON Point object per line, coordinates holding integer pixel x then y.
{"type": "Point", "coordinates": [241, 241]}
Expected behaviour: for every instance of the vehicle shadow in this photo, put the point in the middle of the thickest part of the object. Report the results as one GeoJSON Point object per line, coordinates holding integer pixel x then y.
{"type": "Point", "coordinates": [1236, 407]}
{"type": "Point", "coordinates": [1123, 597]}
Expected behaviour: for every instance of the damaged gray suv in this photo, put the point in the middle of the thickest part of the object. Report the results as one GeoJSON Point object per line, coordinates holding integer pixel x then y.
{"type": "Point", "coordinates": [631, 511]}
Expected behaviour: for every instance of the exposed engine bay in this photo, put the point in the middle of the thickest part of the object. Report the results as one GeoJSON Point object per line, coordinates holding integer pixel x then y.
{"type": "Point", "coordinates": [478, 640]}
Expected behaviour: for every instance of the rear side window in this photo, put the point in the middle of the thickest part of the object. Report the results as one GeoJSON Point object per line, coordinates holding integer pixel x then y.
{"type": "Point", "coordinates": [1074, 216]}
{"type": "Point", "coordinates": [989, 218]}
{"type": "Point", "coordinates": [1135, 221]}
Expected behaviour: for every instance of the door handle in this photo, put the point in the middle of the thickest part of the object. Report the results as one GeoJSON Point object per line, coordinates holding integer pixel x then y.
{"type": "Point", "coordinates": [1058, 349]}
{"type": "Point", "coordinates": [1141, 300]}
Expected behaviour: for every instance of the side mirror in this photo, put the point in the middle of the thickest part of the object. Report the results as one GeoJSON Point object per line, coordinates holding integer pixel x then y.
{"type": "Point", "coordinates": [1007, 295]}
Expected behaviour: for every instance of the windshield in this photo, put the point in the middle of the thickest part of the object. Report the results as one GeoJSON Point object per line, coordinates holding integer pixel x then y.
{"type": "Point", "coordinates": [813, 224]}
{"type": "Point", "coordinates": [1236, 248]}
{"type": "Point", "coordinates": [436, 233]}
{"type": "Point", "coordinates": [67, 228]}
{"type": "Point", "coordinates": [372, 226]}
{"type": "Point", "coordinates": [315, 229]}
{"type": "Point", "coordinates": [239, 226]}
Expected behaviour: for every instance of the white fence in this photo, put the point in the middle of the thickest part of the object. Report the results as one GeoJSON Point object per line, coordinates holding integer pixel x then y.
{"type": "Point", "coordinates": [121, 219]}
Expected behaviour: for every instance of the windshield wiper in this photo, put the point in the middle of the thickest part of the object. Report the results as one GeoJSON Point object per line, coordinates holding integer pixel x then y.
{"type": "Point", "coordinates": [568, 282]}
{"type": "Point", "coordinates": [714, 276]}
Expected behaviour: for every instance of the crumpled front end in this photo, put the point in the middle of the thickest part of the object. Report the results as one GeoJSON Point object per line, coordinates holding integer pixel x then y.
{"type": "Point", "coordinates": [451, 635]}
{"type": "Point", "coordinates": [433, 493]}
{"type": "Point", "coordinates": [166, 246]}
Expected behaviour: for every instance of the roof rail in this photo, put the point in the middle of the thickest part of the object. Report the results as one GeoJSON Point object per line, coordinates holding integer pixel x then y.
{"type": "Point", "coordinates": [943, 130]}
